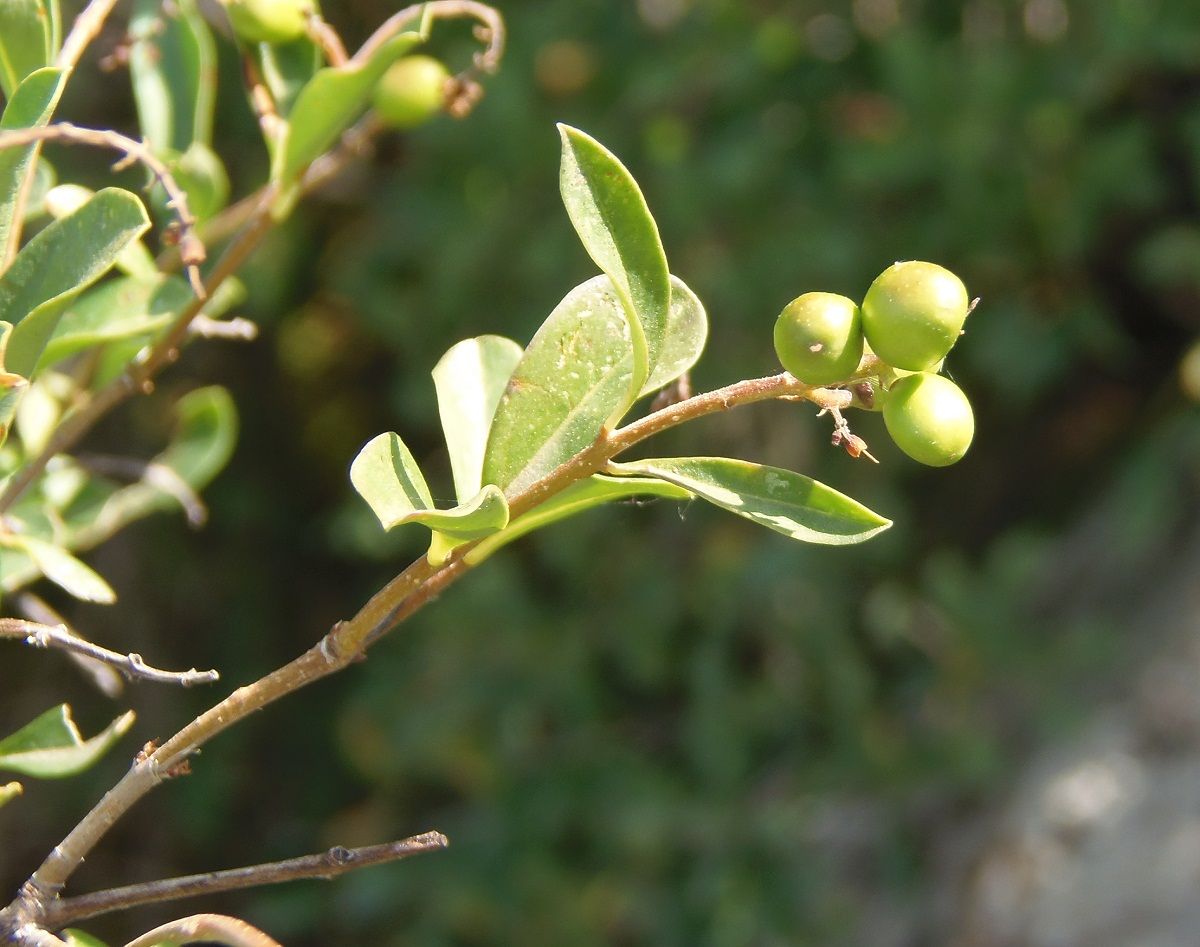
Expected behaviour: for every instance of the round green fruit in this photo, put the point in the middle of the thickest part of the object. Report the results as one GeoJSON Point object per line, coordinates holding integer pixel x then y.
{"type": "Point", "coordinates": [929, 418]}
{"type": "Point", "coordinates": [411, 92]}
{"type": "Point", "coordinates": [914, 313]}
{"type": "Point", "coordinates": [818, 338]}
{"type": "Point", "coordinates": [269, 21]}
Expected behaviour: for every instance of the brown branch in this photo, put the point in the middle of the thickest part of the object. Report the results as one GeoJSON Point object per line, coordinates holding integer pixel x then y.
{"type": "Point", "coordinates": [131, 666]}
{"type": "Point", "coordinates": [327, 39]}
{"type": "Point", "coordinates": [325, 866]}
{"type": "Point", "coordinates": [191, 249]}
{"type": "Point", "coordinates": [205, 928]}
{"type": "Point", "coordinates": [346, 642]}
{"type": "Point", "coordinates": [87, 27]}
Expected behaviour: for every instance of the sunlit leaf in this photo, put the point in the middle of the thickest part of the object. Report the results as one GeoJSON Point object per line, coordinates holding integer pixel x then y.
{"type": "Point", "coordinates": [51, 745]}
{"type": "Point", "coordinates": [470, 378]}
{"type": "Point", "coordinates": [32, 105]}
{"type": "Point", "coordinates": [610, 215]}
{"type": "Point", "coordinates": [574, 377]}
{"type": "Point", "coordinates": [72, 575]}
{"type": "Point", "coordinates": [387, 476]}
{"type": "Point", "coordinates": [60, 262]}
{"type": "Point", "coordinates": [329, 102]}
{"type": "Point", "coordinates": [578, 497]}
{"type": "Point", "coordinates": [787, 502]}
{"type": "Point", "coordinates": [29, 38]}
{"type": "Point", "coordinates": [78, 938]}
{"type": "Point", "coordinates": [172, 64]}
{"type": "Point", "coordinates": [135, 260]}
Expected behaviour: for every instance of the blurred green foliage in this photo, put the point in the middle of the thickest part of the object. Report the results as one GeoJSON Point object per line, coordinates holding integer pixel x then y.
{"type": "Point", "coordinates": [659, 725]}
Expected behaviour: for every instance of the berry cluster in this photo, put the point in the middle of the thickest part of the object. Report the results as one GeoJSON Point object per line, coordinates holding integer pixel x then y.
{"type": "Point", "coordinates": [889, 352]}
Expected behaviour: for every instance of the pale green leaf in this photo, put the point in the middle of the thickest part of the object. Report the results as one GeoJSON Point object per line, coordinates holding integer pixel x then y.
{"type": "Point", "coordinates": [574, 377]}
{"type": "Point", "coordinates": [29, 38]}
{"type": "Point", "coordinates": [60, 262]}
{"type": "Point", "coordinates": [116, 309]}
{"type": "Point", "coordinates": [787, 502]}
{"type": "Point", "coordinates": [31, 106]}
{"type": "Point", "coordinates": [481, 515]}
{"type": "Point", "coordinates": [51, 745]}
{"type": "Point", "coordinates": [78, 938]}
{"type": "Point", "coordinates": [172, 64]}
{"type": "Point", "coordinates": [9, 792]}
{"type": "Point", "coordinates": [286, 68]}
{"type": "Point", "coordinates": [71, 575]}
{"type": "Point", "coordinates": [330, 102]}
{"type": "Point", "coordinates": [387, 476]}
{"type": "Point", "coordinates": [470, 378]}
{"type": "Point", "coordinates": [610, 215]}
{"type": "Point", "coordinates": [578, 497]}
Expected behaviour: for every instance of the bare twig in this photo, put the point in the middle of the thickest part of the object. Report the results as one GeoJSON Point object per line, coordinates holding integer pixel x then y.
{"type": "Point", "coordinates": [325, 865]}
{"type": "Point", "coordinates": [106, 679]}
{"type": "Point", "coordinates": [205, 928]}
{"type": "Point", "coordinates": [233, 330]}
{"type": "Point", "coordinates": [131, 665]}
{"type": "Point", "coordinates": [87, 27]}
{"type": "Point", "coordinates": [491, 31]}
{"type": "Point", "coordinates": [327, 39]}
{"type": "Point", "coordinates": [191, 249]}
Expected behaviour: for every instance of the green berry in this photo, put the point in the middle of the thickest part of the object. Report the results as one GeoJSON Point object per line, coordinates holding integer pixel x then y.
{"type": "Point", "coordinates": [914, 313]}
{"type": "Point", "coordinates": [411, 91]}
{"type": "Point", "coordinates": [929, 418]}
{"type": "Point", "coordinates": [269, 21]}
{"type": "Point", "coordinates": [818, 338]}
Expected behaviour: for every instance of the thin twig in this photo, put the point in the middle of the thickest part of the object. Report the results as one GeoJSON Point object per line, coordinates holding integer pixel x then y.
{"type": "Point", "coordinates": [107, 680]}
{"type": "Point", "coordinates": [327, 39]}
{"type": "Point", "coordinates": [236, 329]}
{"type": "Point", "coordinates": [486, 61]}
{"type": "Point", "coordinates": [191, 249]}
{"type": "Point", "coordinates": [325, 866]}
{"type": "Point", "coordinates": [132, 666]}
{"type": "Point", "coordinates": [87, 27]}
{"type": "Point", "coordinates": [205, 928]}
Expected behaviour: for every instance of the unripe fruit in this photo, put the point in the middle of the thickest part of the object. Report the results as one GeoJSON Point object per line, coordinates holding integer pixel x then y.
{"type": "Point", "coordinates": [914, 313]}
{"type": "Point", "coordinates": [818, 338]}
{"type": "Point", "coordinates": [411, 92]}
{"type": "Point", "coordinates": [269, 21]}
{"type": "Point", "coordinates": [929, 418]}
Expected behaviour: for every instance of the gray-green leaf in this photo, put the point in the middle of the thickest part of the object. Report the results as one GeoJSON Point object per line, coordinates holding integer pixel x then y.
{"type": "Point", "coordinates": [172, 64]}
{"type": "Point", "coordinates": [30, 106]}
{"type": "Point", "coordinates": [578, 497]}
{"type": "Point", "coordinates": [29, 38]}
{"type": "Point", "coordinates": [470, 378]}
{"type": "Point", "coordinates": [574, 378]}
{"type": "Point", "coordinates": [610, 215]}
{"type": "Point", "coordinates": [787, 502]}
{"type": "Point", "coordinates": [51, 746]}
{"type": "Point", "coordinates": [60, 262]}
{"type": "Point", "coordinates": [329, 102]}
{"type": "Point", "coordinates": [72, 575]}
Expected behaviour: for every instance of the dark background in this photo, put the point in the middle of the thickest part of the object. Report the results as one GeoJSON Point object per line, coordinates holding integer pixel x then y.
{"type": "Point", "coordinates": [655, 725]}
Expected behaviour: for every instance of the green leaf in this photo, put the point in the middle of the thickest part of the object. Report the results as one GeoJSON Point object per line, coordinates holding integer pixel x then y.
{"type": "Point", "coordinates": [205, 436]}
{"type": "Point", "coordinates": [9, 792]}
{"type": "Point", "coordinates": [135, 259]}
{"type": "Point", "coordinates": [286, 68]}
{"type": "Point", "coordinates": [51, 746]}
{"type": "Point", "coordinates": [172, 63]}
{"type": "Point", "coordinates": [786, 502]}
{"type": "Point", "coordinates": [78, 938]}
{"type": "Point", "coordinates": [117, 309]}
{"type": "Point", "coordinates": [574, 379]}
{"type": "Point", "coordinates": [578, 497]}
{"type": "Point", "coordinates": [70, 574]}
{"type": "Point", "coordinates": [30, 106]}
{"type": "Point", "coordinates": [610, 215]}
{"type": "Point", "coordinates": [29, 38]}
{"type": "Point", "coordinates": [470, 378]}
{"type": "Point", "coordinates": [330, 102]}
{"type": "Point", "coordinates": [483, 514]}
{"type": "Point", "coordinates": [57, 264]}
{"type": "Point", "coordinates": [12, 387]}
